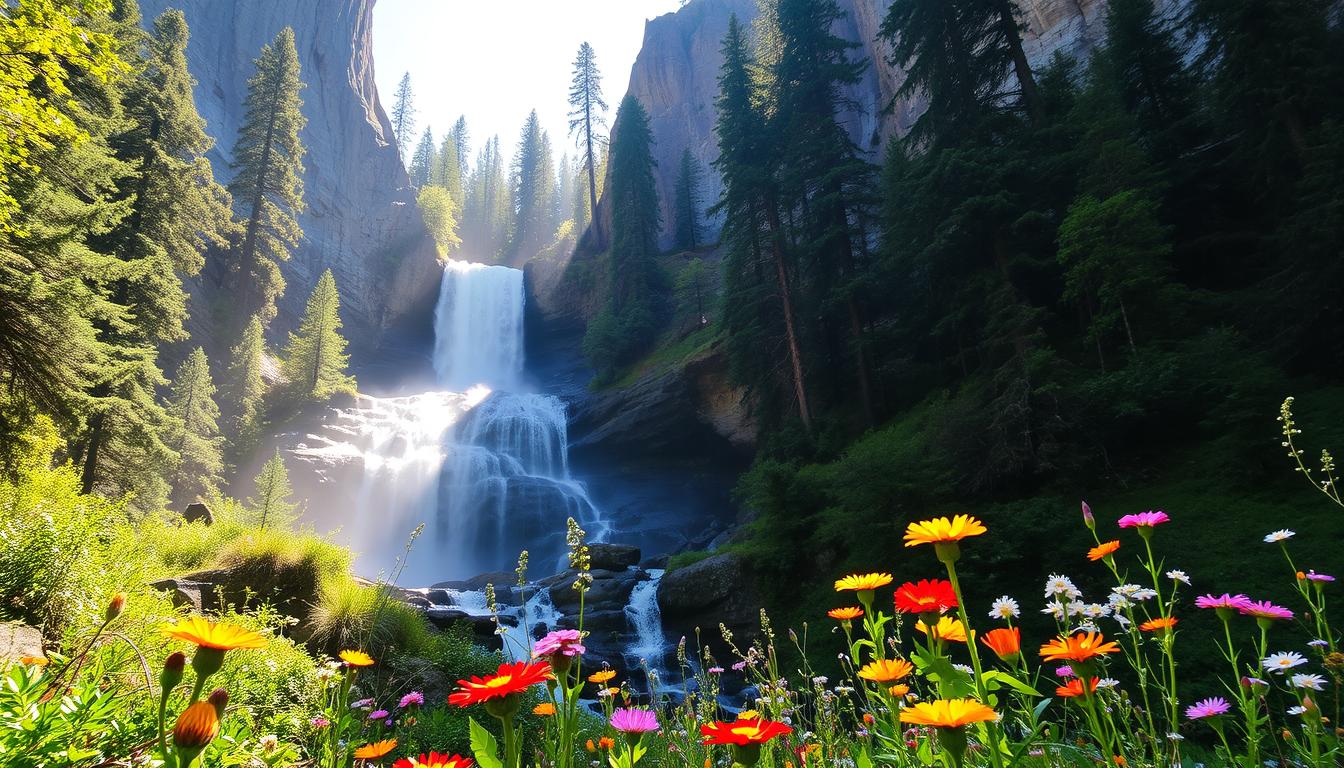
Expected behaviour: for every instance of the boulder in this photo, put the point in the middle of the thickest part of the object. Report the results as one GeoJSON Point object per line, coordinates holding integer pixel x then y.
{"type": "Point", "coordinates": [613, 557]}
{"type": "Point", "coordinates": [610, 590]}
{"type": "Point", "coordinates": [289, 587]}
{"type": "Point", "coordinates": [718, 589]}
{"type": "Point", "coordinates": [500, 579]}
{"type": "Point", "coordinates": [18, 640]}
{"type": "Point", "coordinates": [197, 511]}
{"type": "Point", "coordinates": [482, 627]}
{"type": "Point", "coordinates": [596, 621]}
{"type": "Point", "coordinates": [192, 595]}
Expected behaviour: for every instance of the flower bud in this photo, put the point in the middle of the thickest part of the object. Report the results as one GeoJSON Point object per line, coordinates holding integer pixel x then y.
{"type": "Point", "coordinates": [1088, 519]}
{"type": "Point", "coordinates": [115, 606]}
{"type": "Point", "coordinates": [196, 727]}
{"type": "Point", "coordinates": [173, 667]}
{"type": "Point", "coordinates": [219, 698]}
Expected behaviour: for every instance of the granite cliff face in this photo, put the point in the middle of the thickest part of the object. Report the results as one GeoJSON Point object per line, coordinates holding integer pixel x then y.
{"type": "Point", "coordinates": [361, 220]}
{"type": "Point", "coordinates": [675, 78]}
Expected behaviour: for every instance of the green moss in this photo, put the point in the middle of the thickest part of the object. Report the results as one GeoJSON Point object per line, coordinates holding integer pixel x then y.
{"type": "Point", "coordinates": [683, 559]}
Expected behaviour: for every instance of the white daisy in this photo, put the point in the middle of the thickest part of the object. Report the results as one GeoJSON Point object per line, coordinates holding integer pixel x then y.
{"type": "Point", "coordinates": [1004, 608]}
{"type": "Point", "coordinates": [1076, 607]}
{"type": "Point", "coordinates": [1123, 620]}
{"type": "Point", "coordinates": [1179, 576]}
{"type": "Point", "coordinates": [1059, 585]}
{"type": "Point", "coordinates": [1283, 661]}
{"type": "Point", "coordinates": [1056, 609]}
{"type": "Point", "coordinates": [1096, 610]}
{"type": "Point", "coordinates": [1314, 682]}
{"type": "Point", "coordinates": [1144, 594]}
{"type": "Point", "coordinates": [1296, 710]}
{"type": "Point", "coordinates": [1283, 534]}
{"type": "Point", "coordinates": [1107, 682]}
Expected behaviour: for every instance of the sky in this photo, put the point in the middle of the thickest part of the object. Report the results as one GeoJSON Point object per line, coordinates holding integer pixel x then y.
{"type": "Point", "coordinates": [495, 60]}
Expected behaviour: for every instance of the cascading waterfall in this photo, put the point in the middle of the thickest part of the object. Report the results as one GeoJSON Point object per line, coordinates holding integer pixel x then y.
{"type": "Point", "coordinates": [645, 618]}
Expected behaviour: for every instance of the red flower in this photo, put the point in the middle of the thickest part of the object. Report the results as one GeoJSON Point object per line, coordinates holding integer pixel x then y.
{"type": "Point", "coordinates": [743, 732]}
{"type": "Point", "coordinates": [1075, 688]}
{"type": "Point", "coordinates": [434, 760]}
{"type": "Point", "coordinates": [926, 596]}
{"type": "Point", "coordinates": [511, 678]}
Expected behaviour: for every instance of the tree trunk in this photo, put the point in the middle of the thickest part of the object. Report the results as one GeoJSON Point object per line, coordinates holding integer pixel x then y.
{"type": "Point", "coordinates": [1129, 332]}
{"type": "Point", "coordinates": [89, 471]}
{"type": "Point", "coordinates": [258, 197]}
{"type": "Point", "coordinates": [795, 352]}
{"type": "Point", "coordinates": [1031, 94]}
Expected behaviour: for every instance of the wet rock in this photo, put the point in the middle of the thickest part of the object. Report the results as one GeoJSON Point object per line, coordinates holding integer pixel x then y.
{"type": "Point", "coordinates": [438, 596]}
{"type": "Point", "coordinates": [500, 579]}
{"type": "Point", "coordinates": [482, 627]}
{"type": "Point", "coordinates": [703, 594]}
{"type": "Point", "coordinates": [198, 511]}
{"type": "Point", "coordinates": [613, 557]}
{"type": "Point", "coordinates": [18, 640]}
{"type": "Point", "coordinates": [610, 590]}
{"type": "Point", "coordinates": [596, 621]}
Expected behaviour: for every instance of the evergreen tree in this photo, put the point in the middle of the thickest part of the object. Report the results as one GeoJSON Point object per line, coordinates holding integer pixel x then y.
{"type": "Point", "coordinates": [688, 202]}
{"type": "Point", "coordinates": [268, 174]}
{"type": "Point", "coordinates": [195, 430]}
{"type": "Point", "coordinates": [243, 384]}
{"type": "Point", "coordinates": [533, 191]}
{"type": "Point", "coordinates": [272, 507]}
{"type": "Point", "coordinates": [462, 141]}
{"type": "Point", "coordinates": [628, 324]}
{"type": "Point", "coordinates": [423, 160]}
{"type": "Point", "coordinates": [564, 189]}
{"type": "Point", "coordinates": [403, 115]}
{"type": "Point", "coordinates": [439, 212]}
{"type": "Point", "coordinates": [315, 359]}
{"type": "Point", "coordinates": [445, 171]}
{"type": "Point", "coordinates": [586, 112]}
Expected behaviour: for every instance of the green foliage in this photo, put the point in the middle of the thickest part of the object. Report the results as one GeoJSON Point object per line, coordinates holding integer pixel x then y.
{"type": "Point", "coordinates": [315, 359]}
{"type": "Point", "coordinates": [532, 181]}
{"type": "Point", "coordinates": [272, 506]}
{"type": "Point", "coordinates": [194, 436]}
{"type": "Point", "coordinates": [267, 185]}
{"type": "Point", "coordinates": [586, 120]}
{"type": "Point", "coordinates": [403, 115]}
{"type": "Point", "coordinates": [422, 161]}
{"type": "Point", "coordinates": [486, 212]}
{"type": "Point", "coordinates": [439, 212]}
{"type": "Point", "coordinates": [85, 725]}
{"type": "Point", "coordinates": [243, 386]}
{"type": "Point", "coordinates": [688, 202]}
{"type": "Point", "coordinates": [353, 615]}
{"type": "Point", "coordinates": [689, 557]}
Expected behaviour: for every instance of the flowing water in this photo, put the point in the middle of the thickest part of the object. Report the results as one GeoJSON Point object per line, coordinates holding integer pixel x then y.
{"type": "Point", "coordinates": [646, 620]}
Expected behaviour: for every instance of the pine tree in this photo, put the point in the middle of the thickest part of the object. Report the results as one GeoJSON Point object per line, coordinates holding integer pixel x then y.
{"type": "Point", "coordinates": [271, 507]}
{"type": "Point", "coordinates": [423, 160]}
{"type": "Point", "coordinates": [533, 191]}
{"type": "Point", "coordinates": [268, 181]}
{"type": "Point", "coordinates": [445, 171]}
{"type": "Point", "coordinates": [315, 359]}
{"type": "Point", "coordinates": [243, 385]}
{"type": "Point", "coordinates": [688, 202]}
{"type": "Point", "coordinates": [403, 115]}
{"type": "Point", "coordinates": [440, 215]}
{"type": "Point", "coordinates": [462, 140]}
{"type": "Point", "coordinates": [585, 117]}
{"type": "Point", "coordinates": [195, 430]}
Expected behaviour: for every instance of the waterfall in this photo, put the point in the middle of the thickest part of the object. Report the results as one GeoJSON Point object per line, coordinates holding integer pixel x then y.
{"type": "Point", "coordinates": [478, 327]}
{"type": "Point", "coordinates": [646, 620]}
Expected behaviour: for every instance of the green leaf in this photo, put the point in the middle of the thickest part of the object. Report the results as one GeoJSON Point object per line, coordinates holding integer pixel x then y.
{"type": "Point", "coordinates": [863, 760]}
{"type": "Point", "coordinates": [995, 676]}
{"type": "Point", "coordinates": [484, 747]}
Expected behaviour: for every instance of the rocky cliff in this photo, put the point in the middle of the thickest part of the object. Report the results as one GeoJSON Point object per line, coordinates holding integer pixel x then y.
{"type": "Point", "coordinates": [361, 220]}
{"type": "Point", "coordinates": [675, 75]}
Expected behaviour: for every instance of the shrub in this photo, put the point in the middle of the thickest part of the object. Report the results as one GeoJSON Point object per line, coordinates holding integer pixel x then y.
{"type": "Point", "coordinates": [352, 615]}
{"type": "Point", "coordinates": [683, 559]}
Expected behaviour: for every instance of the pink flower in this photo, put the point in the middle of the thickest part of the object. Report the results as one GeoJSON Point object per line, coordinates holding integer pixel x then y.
{"type": "Point", "coordinates": [562, 641]}
{"type": "Point", "coordinates": [1144, 520]}
{"type": "Point", "coordinates": [715, 670]}
{"type": "Point", "coordinates": [1235, 602]}
{"type": "Point", "coordinates": [634, 720]}
{"type": "Point", "coordinates": [1064, 671]}
{"type": "Point", "coordinates": [414, 697]}
{"type": "Point", "coordinates": [1211, 707]}
{"type": "Point", "coordinates": [378, 714]}
{"type": "Point", "coordinates": [321, 722]}
{"type": "Point", "coordinates": [739, 666]}
{"type": "Point", "coordinates": [1314, 576]}
{"type": "Point", "coordinates": [1263, 609]}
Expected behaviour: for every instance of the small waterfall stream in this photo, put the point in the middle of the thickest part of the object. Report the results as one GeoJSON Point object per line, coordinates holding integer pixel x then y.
{"type": "Point", "coordinates": [645, 618]}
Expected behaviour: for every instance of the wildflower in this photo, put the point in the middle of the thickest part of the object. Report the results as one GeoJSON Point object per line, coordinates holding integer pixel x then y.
{"type": "Point", "coordinates": [1211, 707]}
{"type": "Point", "coordinates": [1224, 604]}
{"type": "Point", "coordinates": [1005, 642]}
{"type": "Point", "coordinates": [1296, 710]}
{"type": "Point", "coordinates": [899, 690]}
{"type": "Point", "coordinates": [1055, 609]}
{"type": "Point", "coordinates": [114, 607]}
{"type": "Point", "coordinates": [602, 676]}
{"type": "Point", "coordinates": [1254, 683]}
{"type": "Point", "coordinates": [608, 693]}
{"type": "Point", "coordinates": [948, 716]}
{"type": "Point", "coordinates": [508, 680]}
{"type": "Point", "coordinates": [1103, 550]}
{"type": "Point", "coordinates": [1095, 610]}
{"type": "Point", "coordinates": [848, 613]}
{"type": "Point", "coordinates": [1318, 578]}
{"type": "Point", "coordinates": [1173, 736]}
{"type": "Point", "coordinates": [947, 628]}
{"type": "Point", "coordinates": [1060, 585]}
{"type": "Point", "coordinates": [218, 636]}
{"type": "Point", "coordinates": [743, 732]}
{"type": "Point", "coordinates": [944, 534]}
{"type": "Point", "coordinates": [375, 750]}
{"type": "Point", "coordinates": [320, 722]}
{"type": "Point", "coordinates": [1179, 576]}
{"type": "Point", "coordinates": [1283, 534]}
{"type": "Point", "coordinates": [356, 658]}
{"type": "Point", "coordinates": [1064, 670]}
{"type": "Point", "coordinates": [413, 698]}
{"type": "Point", "coordinates": [1318, 643]}
{"type": "Point", "coordinates": [592, 747]}
{"type": "Point", "coordinates": [1159, 625]}
{"type": "Point", "coordinates": [1314, 682]}
{"type": "Point", "coordinates": [886, 670]}
{"type": "Point", "coordinates": [1123, 621]}
{"type": "Point", "coordinates": [1107, 682]}
{"type": "Point", "coordinates": [1283, 661]}
{"type": "Point", "coordinates": [1078, 648]}
{"type": "Point", "coordinates": [964, 668]}
{"type": "Point", "coordinates": [748, 714]}
{"type": "Point", "coordinates": [927, 596]}
{"type": "Point", "coordinates": [1088, 519]}
{"type": "Point", "coordinates": [379, 714]}
{"type": "Point", "coordinates": [1144, 521]}
{"type": "Point", "coordinates": [434, 760]}
{"type": "Point", "coordinates": [739, 666]}
{"type": "Point", "coordinates": [606, 742]}
{"type": "Point", "coordinates": [269, 743]}
{"type": "Point", "coordinates": [362, 704]}
{"type": "Point", "coordinates": [544, 709]}
{"type": "Point", "coordinates": [197, 726]}
{"type": "Point", "coordinates": [1263, 609]}
{"type": "Point", "coordinates": [34, 661]}
{"type": "Point", "coordinates": [634, 721]}
{"type": "Point", "coordinates": [1004, 608]}
{"type": "Point", "coordinates": [1075, 687]}
{"type": "Point", "coordinates": [561, 642]}
{"type": "Point", "coordinates": [862, 582]}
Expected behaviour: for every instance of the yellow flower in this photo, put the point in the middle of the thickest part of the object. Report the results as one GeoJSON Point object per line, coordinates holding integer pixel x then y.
{"type": "Point", "coordinates": [34, 661]}
{"type": "Point", "coordinates": [942, 529]}
{"type": "Point", "coordinates": [357, 658]}
{"type": "Point", "coordinates": [544, 709]}
{"type": "Point", "coordinates": [602, 676]}
{"type": "Point", "coordinates": [947, 628]}
{"type": "Point", "coordinates": [848, 613]}
{"type": "Point", "coordinates": [947, 713]}
{"type": "Point", "coordinates": [748, 714]}
{"type": "Point", "coordinates": [886, 670]}
{"type": "Point", "coordinates": [860, 582]}
{"type": "Point", "coordinates": [899, 690]}
{"type": "Point", "coordinates": [375, 750]}
{"type": "Point", "coordinates": [208, 634]}
{"type": "Point", "coordinates": [197, 726]}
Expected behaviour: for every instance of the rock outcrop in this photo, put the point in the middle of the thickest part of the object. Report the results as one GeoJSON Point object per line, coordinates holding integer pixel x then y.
{"type": "Point", "coordinates": [361, 220]}
{"type": "Point", "coordinates": [715, 590]}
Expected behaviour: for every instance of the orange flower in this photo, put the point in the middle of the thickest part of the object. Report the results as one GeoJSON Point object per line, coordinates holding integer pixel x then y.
{"type": "Point", "coordinates": [357, 658]}
{"type": "Point", "coordinates": [947, 713]}
{"type": "Point", "coordinates": [197, 726]}
{"type": "Point", "coordinates": [886, 670]}
{"type": "Point", "coordinates": [602, 676]}
{"type": "Point", "coordinates": [544, 709]}
{"type": "Point", "coordinates": [1005, 642]}
{"type": "Point", "coordinates": [34, 661]}
{"type": "Point", "coordinates": [1160, 624]}
{"type": "Point", "coordinates": [208, 634]}
{"type": "Point", "coordinates": [947, 628]}
{"type": "Point", "coordinates": [942, 529]}
{"type": "Point", "coordinates": [743, 732]}
{"type": "Point", "coordinates": [606, 742]}
{"type": "Point", "coordinates": [1103, 550]}
{"type": "Point", "coordinates": [590, 745]}
{"type": "Point", "coordinates": [862, 582]}
{"type": "Point", "coordinates": [926, 596]}
{"type": "Point", "coordinates": [898, 690]}
{"type": "Point", "coordinates": [1080, 647]}
{"type": "Point", "coordinates": [375, 750]}
{"type": "Point", "coordinates": [509, 679]}
{"type": "Point", "coordinates": [1075, 688]}
{"type": "Point", "coordinates": [848, 613]}
{"type": "Point", "coordinates": [434, 760]}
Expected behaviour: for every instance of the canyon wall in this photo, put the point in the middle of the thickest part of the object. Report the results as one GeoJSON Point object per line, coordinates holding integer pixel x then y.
{"type": "Point", "coordinates": [361, 220]}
